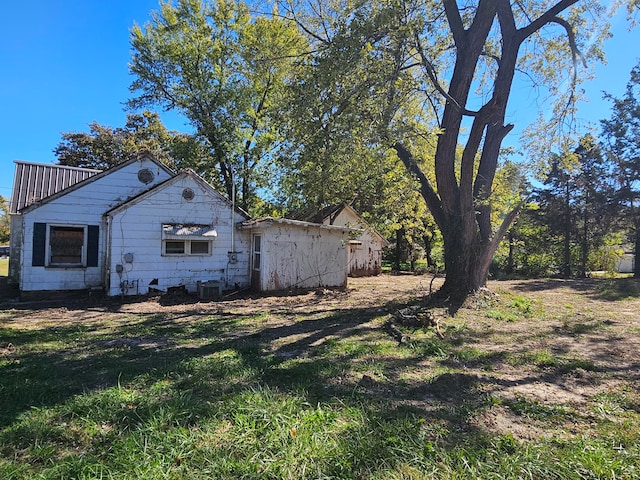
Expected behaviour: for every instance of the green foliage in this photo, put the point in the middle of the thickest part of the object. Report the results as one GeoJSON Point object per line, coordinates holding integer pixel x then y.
{"type": "Point", "coordinates": [104, 146]}
{"type": "Point", "coordinates": [5, 221]}
{"type": "Point", "coordinates": [224, 71]}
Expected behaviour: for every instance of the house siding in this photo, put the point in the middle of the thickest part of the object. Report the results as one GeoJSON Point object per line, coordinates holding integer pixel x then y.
{"type": "Point", "coordinates": [82, 205]}
{"type": "Point", "coordinates": [136, 229]}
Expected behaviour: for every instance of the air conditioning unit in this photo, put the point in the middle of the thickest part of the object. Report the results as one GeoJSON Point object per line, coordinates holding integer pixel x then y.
{"type": "Point", "coordinates": [209, 290]}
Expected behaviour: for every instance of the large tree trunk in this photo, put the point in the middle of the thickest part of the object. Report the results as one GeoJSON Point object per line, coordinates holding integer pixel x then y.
{"type": "Point", "coordinates": [636, 252]}
{"type": "Point", "coordinates": [467, 263]}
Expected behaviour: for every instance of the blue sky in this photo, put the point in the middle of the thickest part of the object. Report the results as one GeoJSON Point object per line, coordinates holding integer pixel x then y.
{"type": "Point", "coordinates": [64, 65]}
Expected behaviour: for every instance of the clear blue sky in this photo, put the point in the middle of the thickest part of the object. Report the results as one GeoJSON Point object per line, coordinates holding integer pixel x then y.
{"type": "Point", "coordinates": [64, 64]}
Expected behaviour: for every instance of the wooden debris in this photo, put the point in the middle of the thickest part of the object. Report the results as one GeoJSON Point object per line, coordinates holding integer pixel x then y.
{"type": "Point", "coordinates": [413, 317]}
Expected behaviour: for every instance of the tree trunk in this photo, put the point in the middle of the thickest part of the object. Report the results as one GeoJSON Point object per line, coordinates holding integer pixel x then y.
{"type": "Point", "coordinates": [566, 269]}
{"type": "Point", "coordinates": [466, 264]}
{"type": "Point", "coordinates": [427, 240]}
{"type": "Point", "coordinates": [398, 252]}
{"type": "Point", "coordinates": [510, 262]}
{"type": "Point", "coordinates": [636, 251]}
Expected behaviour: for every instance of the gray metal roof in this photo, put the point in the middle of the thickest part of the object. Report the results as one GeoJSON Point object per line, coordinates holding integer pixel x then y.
{"type": "Point", "coordinates": [36, 181]}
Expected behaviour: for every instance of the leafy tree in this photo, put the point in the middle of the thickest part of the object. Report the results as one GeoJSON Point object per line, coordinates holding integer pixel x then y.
{"type": "Point", "coordinates": [224, 71]}
{"type": "Point", "coordinates": [105, 146]}
{"type": "Point", "coordinates": [458, 63]}
{"type": "Point", "coordinates": [5, 221]}
{"type": "Point", "coordinates": [572, 215]}
{"type": "Point", "coordinates": [595, 200]}
{"type": "Point", "coordinates": [622, 145]}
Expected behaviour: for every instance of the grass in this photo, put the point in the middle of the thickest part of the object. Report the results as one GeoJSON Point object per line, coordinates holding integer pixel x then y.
{"type": "Point", "coordinates": [104, 391]}
{"type": "Point", "coordinates": [4, 267]}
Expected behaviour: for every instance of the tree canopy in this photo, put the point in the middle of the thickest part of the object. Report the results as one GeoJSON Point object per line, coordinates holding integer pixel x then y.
{"type": "Point", "coordinates": [105, 146]}
{"type": "Point", "coordinates": [224, 71]}
{"type": "Point", "coordinates": [444, 70]}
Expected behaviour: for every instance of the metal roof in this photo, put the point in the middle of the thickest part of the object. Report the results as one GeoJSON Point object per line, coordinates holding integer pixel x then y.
{"type": "Point", "coordinates": [36, 181]}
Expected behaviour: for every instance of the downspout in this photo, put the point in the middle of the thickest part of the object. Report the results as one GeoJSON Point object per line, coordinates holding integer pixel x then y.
{"type": "Point", "coordinates": [106, 272]}
{"type": "Point", "coordinates": [233, 213]}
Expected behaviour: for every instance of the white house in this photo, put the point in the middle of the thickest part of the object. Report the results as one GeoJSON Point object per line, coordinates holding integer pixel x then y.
{"type": "Point", "coordinates": [139, 227]}
{"type": "Point", "coordinates": [178, 233]}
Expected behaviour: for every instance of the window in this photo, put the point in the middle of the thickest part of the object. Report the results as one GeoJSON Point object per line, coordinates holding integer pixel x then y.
{"type": "Point", "coordinates": [174, 248]}
{"type": "Point", "coordinates": [257, 251]}
{"type": "Point", "coordinates": [65, 245]}
{"type": "Point", "coordinates": [199, 247]}
{"type": "Point", "coordinates": [187, 239]}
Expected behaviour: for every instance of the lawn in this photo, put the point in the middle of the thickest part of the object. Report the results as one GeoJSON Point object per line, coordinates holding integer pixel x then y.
{"type": "Point", "coordinates": [537, 379]}
{"type": "Point", "coordinates": [4, 267]}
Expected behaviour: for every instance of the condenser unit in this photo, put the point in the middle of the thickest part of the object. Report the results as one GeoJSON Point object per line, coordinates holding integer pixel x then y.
{"type": "Point", "coordinates": [209, 290]}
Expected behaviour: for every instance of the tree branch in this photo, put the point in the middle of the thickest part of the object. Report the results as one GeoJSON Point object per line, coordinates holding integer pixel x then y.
{"type": "Point", "coordinates": [426, 189]}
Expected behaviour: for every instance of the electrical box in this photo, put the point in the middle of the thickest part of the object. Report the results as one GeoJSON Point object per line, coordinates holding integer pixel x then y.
{"type": "Point", "coordinates": [233, 257]}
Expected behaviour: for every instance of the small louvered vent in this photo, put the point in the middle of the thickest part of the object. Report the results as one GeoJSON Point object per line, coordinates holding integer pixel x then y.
{"type": "Point", "coordinates": [145, 176]}
{"type": "Point", "coordinates": [188, 194]}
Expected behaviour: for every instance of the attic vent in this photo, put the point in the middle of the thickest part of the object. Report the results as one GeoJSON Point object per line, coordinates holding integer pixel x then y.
{"type": "Point", "coordinates": [145, 176]}
{"type": "Point", "coordinates": [188, 194]}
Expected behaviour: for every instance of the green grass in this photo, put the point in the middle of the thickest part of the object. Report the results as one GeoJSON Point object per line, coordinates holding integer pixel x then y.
{"type": "Point", "coordinates": [215, 395]}
{"type": "Point", "coordinates": [4, 267]}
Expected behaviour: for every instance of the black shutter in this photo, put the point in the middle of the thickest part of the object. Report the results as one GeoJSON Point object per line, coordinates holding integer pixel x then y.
{"type": "Point", "coordinates": [39, 244]}
{"type": "Point", "coordinates": [92, 245]}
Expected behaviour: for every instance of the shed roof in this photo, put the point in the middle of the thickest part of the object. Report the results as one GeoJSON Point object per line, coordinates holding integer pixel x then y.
{"type": "Point", "coordinates": [36, 181]}
{"type": "Point", "coordinates": [267, 222]}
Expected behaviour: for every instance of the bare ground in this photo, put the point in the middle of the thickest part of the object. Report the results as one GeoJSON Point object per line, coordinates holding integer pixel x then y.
{"type": "Point", "coordinates": [544, 354]}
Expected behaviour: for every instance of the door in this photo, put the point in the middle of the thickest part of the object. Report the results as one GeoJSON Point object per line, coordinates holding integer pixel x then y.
{"type": "Point", "coordinates": [256, 261]}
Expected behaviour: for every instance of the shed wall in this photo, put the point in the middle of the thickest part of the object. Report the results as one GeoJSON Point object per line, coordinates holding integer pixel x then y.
{"type": "Point", "coordinates": [365, 255]}
{"type": "Point", "coordinates": [296, 257]}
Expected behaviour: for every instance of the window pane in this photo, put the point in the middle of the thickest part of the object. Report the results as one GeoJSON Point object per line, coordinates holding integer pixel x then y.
{"type": "Point", "coordinates": [256, 261]}
{"type": "Point", "coordinates": [199, 247]}
{"type": "Point", "coordinates": [256, 243]}
{"type": "Point", "coordinates": [66, 245]}
{"type": "Point", "coordinates": [174, 247]}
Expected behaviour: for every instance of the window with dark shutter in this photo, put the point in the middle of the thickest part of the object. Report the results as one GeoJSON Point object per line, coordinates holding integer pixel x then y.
{"type": "Point", "coordinates": [39, 253]}
{"type": "Point", "coordinates": [92, 245]}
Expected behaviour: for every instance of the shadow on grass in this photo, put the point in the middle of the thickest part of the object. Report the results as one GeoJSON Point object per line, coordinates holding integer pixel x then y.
{"type": "Point", "coordinates": [192, 368]}
{"type": "Point", "coordinates": [598, 288]}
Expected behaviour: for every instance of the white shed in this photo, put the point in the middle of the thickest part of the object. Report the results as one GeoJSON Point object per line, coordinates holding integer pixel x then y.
{"type": "Point", "coordinates": [295, 254]}
{"type": "Point", "coordinates": [365, 247]}
{"type": "Point", "coordinates": [365, 250]}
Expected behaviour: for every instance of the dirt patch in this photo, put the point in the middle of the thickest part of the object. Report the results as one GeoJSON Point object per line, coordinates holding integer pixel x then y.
{"type": "Point", "coordinates": [526, 357]}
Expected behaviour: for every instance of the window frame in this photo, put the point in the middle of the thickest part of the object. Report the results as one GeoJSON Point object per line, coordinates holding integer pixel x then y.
{"type": "Point", "coordinates": [256, 253]}
{"type": "Point", "coordinates": [187, 250]}
{"type": "Point", "coordinates": [49, 246]}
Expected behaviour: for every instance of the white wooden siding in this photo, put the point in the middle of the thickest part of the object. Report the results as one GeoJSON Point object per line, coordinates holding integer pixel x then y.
{"type": "Point", "coordinates": [365, 258]}
{"type": "Point", "coordinates": [84, 205]}
{"type": "Point", "coordinates": [136, 229]}
{"type": "Point", "coordinates": [302, 257]}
